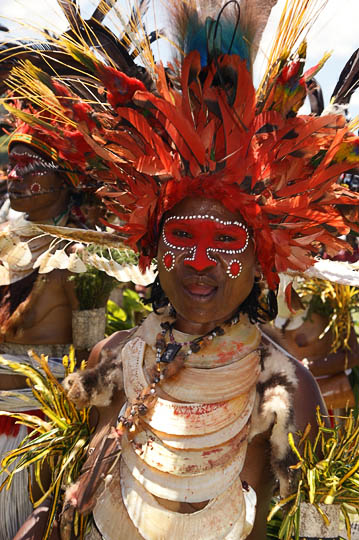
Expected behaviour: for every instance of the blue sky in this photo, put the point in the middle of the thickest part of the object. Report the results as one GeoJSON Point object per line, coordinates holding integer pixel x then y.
{"type": "Point", "coordinates": [336, 30]}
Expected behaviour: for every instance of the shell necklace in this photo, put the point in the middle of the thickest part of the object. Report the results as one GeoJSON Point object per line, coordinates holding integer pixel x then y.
{"type": "Point", "coordinates": [173, 358]}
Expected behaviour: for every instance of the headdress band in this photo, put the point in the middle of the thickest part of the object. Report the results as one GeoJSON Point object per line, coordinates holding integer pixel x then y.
{"type": "Point", "coordinates": [38, 144]}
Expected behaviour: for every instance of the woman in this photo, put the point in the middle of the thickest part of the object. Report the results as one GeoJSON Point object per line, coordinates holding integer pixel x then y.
{"type": "Point", "coordinates": [222, 184]}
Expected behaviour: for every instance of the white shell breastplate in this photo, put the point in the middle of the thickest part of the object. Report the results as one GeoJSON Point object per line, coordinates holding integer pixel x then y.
{"type": "Point", "coordinates": [187, 452]}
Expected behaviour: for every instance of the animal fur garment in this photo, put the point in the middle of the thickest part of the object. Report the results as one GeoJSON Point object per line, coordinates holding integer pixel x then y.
{"type": "Point", "coordinates": [96, 386]}
{"type": "Point", "coordinates": [273, 409]}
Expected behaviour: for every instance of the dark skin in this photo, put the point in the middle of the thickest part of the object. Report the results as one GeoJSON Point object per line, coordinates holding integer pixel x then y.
{"type": "Point", "coordinates": [200, 315]}
{"type": "Point", "coordinates": [52, 198]}
{"type": "Point", "coordinates": [49, 319]}
{"type": "Point", "coordinates": [304, 342]}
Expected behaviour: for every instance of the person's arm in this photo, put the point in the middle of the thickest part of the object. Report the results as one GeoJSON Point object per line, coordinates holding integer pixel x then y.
{"type": "Point", "coordinates": [307, 398]}
{"type": "Point", "coordinates": [339, 361]}
{"type": "Point", "coordinates": [70, 289]}
{"type": "Point", "coordinates": [103, 418]}
{"type": "Point", "coordinates": [35, 525]}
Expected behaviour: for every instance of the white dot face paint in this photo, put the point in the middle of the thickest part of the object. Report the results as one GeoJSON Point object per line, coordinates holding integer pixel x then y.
{"type": "Point", "coordinates": [24, 163]}
{"type": "Point", "coordinates": [202, 237]}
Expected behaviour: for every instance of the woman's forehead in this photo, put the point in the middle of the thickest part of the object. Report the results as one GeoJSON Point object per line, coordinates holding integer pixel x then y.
{"type": "Point", "coordinates": [20, 148]}
{"type": "Point", "coordinates": [201, 206]}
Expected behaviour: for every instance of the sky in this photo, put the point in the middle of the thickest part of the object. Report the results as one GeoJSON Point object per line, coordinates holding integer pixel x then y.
{"type": "Point", "coordinates": [336, 30]}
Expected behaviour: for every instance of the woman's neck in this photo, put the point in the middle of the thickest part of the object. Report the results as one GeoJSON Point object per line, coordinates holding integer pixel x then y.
{"type": "Point", "coordinates": [52, 215]}
{"type": "Point", "coordinates": [195, 328]}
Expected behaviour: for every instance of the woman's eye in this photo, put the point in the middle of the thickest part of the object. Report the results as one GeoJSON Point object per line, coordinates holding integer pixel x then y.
{"type": "Point", "coordinates": [181, 234]}
{"type": "Point", "coordinates": [225, 238]}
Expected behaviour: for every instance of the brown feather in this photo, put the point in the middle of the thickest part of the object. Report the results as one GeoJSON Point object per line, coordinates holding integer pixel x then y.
{"type": "Point", "coordinates": [254, 18]}
{"type": "Point", "coordinates": [103, 9]}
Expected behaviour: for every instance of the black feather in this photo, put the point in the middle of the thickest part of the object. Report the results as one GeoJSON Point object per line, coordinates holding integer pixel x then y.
{"type": "Point", "coordinates": [315, 96]}
{"type": "Point", "coordinates": [348, 81]}
{"type": "Point", "coordinates": [71, 11]}
{"type": "Point", "coordinates": [102, 9]}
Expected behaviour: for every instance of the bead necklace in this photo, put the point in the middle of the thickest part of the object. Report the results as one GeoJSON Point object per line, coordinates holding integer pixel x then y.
{"type": "Point", "coordinates": [173, 358]}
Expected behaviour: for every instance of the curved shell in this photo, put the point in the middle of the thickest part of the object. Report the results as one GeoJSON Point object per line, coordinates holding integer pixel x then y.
{"type": "Point", "coordinates": [155, 522]}
{"type": "Point", "coordinates": [194, 418]}
{"type": "Point", "coordinates": [154, 453]}
{"type": "Point", "coordinates": [197, 488]}
{"type": "Point", "coordinates": [238, 341]}
{"type": "Point", "coordinates": [216, 384]}
{"type": "Point", "coordinates": [134, 379]}
{"type": "Point", "coordinates": [210, 439]}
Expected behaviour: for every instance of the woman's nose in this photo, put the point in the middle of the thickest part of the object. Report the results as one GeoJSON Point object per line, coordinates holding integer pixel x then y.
{"type": "Point", "coordinates": [200, 258]}
{"type": "Point", "coordinates": [12, 174]}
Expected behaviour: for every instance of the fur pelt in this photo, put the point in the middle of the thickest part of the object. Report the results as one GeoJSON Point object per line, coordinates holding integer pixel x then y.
{"type": "Point", "coordinates": [274, 410]}
{"type": "Point", "coordinates": [96, 386]}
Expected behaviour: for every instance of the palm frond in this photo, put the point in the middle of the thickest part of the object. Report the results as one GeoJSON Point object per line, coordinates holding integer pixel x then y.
{"type": "Point", "coordinates": [336, 301]}
{"type": "Point", "coordinates": [60, 440]}
{"type": "Point", "coordinates": [329, 472]}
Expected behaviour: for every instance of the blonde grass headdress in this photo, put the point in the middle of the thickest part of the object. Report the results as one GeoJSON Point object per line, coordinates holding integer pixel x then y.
{"type": "Point", "coordinates": [199, 128]}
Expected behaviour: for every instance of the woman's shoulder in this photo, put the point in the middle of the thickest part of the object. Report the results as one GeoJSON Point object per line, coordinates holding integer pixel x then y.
{"type": "Point", "coordinates": [109, 346]}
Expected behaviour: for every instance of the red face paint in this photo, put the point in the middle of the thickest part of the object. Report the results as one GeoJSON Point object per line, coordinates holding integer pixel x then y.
{"type": "Point", "coordinates": [202, 237]}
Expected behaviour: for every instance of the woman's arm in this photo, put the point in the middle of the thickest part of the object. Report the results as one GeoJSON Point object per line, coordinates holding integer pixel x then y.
{"type": "Point", "coordinates": [35, 525]}
{"type": "Point", "coordinates": [307, 398]}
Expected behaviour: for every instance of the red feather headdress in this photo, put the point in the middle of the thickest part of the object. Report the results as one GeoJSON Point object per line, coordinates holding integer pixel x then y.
{"type": "Point", "coordinates": [204, 131]}
{"type": "Point", "coordinates": [31, 137]}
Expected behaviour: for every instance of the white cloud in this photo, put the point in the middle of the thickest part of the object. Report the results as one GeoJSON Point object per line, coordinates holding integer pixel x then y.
{"type": "Point", "coordinates": [23, 16]}
{"type": "Point", "coordinates": [337, 28]}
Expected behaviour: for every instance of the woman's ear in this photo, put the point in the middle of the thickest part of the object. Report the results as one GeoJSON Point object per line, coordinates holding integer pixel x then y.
{"type": "Point", "coordinates": [258, 274]}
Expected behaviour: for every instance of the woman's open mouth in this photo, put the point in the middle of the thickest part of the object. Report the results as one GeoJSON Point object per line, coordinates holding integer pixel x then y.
{"type": "Point", "coordinates": [200, 290]}
{"type": "Point", "coordinates": [19, 194]}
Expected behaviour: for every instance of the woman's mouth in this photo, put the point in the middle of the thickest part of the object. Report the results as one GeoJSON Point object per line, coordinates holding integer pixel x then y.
{"type": "Point", "coordinates": [18, 194]}
{"type": "Point", "coordinates": [200, 290]}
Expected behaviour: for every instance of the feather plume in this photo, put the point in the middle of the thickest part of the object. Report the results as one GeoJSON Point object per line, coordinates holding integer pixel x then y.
{"type": "Point", "coordinates": [298, 16]}
{"type": "Point", "coordinates": [55, 54]}
{"type": "Point", "coordinates": [208, 132]}
{"type": "Point", "coordinates": [254, 18]}
{"type": "Point", "coordinates": [71, 11]}
{"type": "Point", "coordinates": [315, 96]}
{"type": "Point", "coordinates": [85, 236]}
{"type": "Point", "coordinates": [207, 27]}
{"type": "Point", "coordinates": [103, 8]}
{"type": "Point", "coordinates": [348, 81]}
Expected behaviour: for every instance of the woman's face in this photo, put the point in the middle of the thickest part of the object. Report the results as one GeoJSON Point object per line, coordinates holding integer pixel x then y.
{"type": "Point", "coordinates": [206, 263]}
{"type": "Point", "coordinates": [32, 182]}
